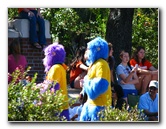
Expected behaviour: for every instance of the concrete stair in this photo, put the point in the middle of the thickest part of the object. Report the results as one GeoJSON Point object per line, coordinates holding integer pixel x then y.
{"type": "Point", "coordinates": [73, 94]}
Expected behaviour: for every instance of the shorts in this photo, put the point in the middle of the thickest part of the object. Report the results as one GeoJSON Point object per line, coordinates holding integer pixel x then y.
{"type": "Point", "coordinates": [129, 91]}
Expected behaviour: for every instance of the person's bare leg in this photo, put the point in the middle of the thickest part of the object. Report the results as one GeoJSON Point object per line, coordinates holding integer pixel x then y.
{"type": "Point", "coordinates": [77, 83]}
{"type": "Point", "coordinates": [138, 85]}
{"type": "Point", "coordinates": [155, 77]}
{"type": "Point", "coordinates": [77, 80]}
{"type": "Point", "coordinates": [145, 82]}
{"type": "Point", "coordinates": [127, 105]}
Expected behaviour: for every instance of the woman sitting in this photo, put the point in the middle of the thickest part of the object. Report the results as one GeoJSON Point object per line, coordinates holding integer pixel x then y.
{"type": "Point", "coordinates": [117, 97]}
{"type": "Point", "coordinates": [111, 61]}
{"type": "Point", "coordinates": [15, 59]}
{"type": "Point", "coordinates": [145, 72]}
{"type": "Point", "coordinates": [78, 69]}
{"type": "Point", "coordinates": [127, 77]}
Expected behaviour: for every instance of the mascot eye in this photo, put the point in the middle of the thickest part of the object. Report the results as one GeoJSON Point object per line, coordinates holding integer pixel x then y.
{"type": "Point", "coordinates": [53, 53]}
{"type": "Point", "coordinates": [98, 49]}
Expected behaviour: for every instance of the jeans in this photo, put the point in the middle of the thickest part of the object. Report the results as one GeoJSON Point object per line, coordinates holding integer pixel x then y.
{"type": "Point", "coordinates": [33, 35]}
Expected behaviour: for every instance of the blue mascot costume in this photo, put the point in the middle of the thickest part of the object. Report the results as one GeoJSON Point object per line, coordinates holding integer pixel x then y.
{"type": "Point", "coordinates": [97, 81]}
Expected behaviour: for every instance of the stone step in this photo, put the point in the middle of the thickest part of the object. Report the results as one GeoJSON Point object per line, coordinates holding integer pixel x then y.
{"type": "Point", "coordinates": [73, 94]}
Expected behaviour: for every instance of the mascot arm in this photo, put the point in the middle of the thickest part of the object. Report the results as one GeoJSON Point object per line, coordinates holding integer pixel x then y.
{"type": "Point", "coordinates": [95, 87]}
{"type": "Point", "coordinates": [53, 76]}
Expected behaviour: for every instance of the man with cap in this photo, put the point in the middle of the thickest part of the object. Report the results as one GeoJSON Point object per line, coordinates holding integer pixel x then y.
{"type": "Point", "coordinates": [149, 102]}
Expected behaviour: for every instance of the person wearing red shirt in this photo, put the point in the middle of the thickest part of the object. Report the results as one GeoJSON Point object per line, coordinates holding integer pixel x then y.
{"type": "Point", "coordinates": [146, 71]}
{"type": "Point", "coordinates": [78, 69]}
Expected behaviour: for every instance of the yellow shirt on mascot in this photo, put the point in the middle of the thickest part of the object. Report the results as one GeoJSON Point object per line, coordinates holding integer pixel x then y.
{"type": "Point", "coordinates": [100, 69]}
{"type": "Point", "coordinates": [96, 83]}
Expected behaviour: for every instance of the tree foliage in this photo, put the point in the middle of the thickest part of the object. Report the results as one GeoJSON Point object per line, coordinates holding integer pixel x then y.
{"type": "Point", "coordinates": [74, 27]}
{"type": "Point", "coordinates": [145, 32]}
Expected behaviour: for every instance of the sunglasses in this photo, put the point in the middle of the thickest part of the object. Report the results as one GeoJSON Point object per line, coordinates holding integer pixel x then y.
{"type": "Point", "coordinates": [153, 88]}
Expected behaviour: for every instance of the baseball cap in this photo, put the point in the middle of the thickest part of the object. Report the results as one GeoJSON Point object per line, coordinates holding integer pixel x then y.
{"type": "Point", "coordinates": [153, 83]}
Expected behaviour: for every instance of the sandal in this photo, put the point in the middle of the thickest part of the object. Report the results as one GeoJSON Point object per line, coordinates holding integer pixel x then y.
{"type": "Point", "coordinates": [37, 45]}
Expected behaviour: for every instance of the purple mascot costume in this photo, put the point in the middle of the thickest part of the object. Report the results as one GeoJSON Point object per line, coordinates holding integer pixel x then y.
{"type": "Point", "coordinates": [56, 71]}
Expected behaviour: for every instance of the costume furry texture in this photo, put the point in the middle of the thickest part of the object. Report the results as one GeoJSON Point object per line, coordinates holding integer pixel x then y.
{"type": "Point", "coordinates": [56, 71]}
{"type": "Point", "coordinates": [54, 54]}
{"type": "Point", "coordinates": [98, 49]}
{"type": "Point", "coordinates": [97, 81]}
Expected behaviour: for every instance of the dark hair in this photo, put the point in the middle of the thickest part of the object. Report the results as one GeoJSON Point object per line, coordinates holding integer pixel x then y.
{"type": "Point", "coordinates": [119, 91]}
{"type": "Point", "coordinates": [15, 49]}
{"type": "Point", "coordinates": [135, 56]}
{"type": "Point", "coordinates": [83, 97]}
{"type": "Point", "coordinates": [110, 59]}
{"type": "Point", "coordinates": [79, 57]}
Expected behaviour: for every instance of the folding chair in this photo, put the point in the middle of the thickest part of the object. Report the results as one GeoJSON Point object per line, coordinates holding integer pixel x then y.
{"type": "Point", "coordinates": [133, 100]}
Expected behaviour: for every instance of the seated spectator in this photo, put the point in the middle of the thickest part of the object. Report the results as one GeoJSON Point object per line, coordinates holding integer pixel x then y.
{"type": "Point", "coordinates": [82, 99]}
{"type": "Point", "coordinates": [117, 97]}
{"type": "Point", "coordinates": [38, 40]}
{"type": "Point", "coordinates": [127, 77]}
{"type": "Point", "coordinates": [15, 59]}
{"type": "Point", "coordinates": [111, 61]}
{"type": "Point", "coordinates": [149, 102]}
{"type": "Point", "coordinates": [78, 69]}
{"type": "Point", "coordinates": [145, 72]}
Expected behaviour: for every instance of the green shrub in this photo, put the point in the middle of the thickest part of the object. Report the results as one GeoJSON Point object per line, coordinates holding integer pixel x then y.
{"type": "Point", "coordinates": [117, 115]}
{"type": "Point", "coordinates": [25, 103]}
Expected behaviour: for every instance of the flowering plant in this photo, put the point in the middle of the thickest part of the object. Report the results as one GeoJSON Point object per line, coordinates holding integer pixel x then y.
{"type": "Point", "coordinates": [33, 102]}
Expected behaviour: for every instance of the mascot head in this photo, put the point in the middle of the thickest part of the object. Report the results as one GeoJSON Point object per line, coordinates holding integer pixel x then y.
{"type": "Point", "coordinates": [54, 54]}
{"type": "Point", "coordinates": [96, 49]}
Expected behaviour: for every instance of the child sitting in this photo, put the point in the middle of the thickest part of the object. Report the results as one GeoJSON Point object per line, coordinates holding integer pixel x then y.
{"type": "Point", "coordinates": [78, 69]}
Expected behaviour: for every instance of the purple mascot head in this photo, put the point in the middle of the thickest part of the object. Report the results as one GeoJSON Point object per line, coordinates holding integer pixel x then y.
{"type": "Point", "coordinates": [54, 54]}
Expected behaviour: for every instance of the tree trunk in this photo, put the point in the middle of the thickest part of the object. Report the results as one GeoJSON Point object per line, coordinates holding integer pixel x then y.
{"type": "Point", "coordinates": [119, 31]}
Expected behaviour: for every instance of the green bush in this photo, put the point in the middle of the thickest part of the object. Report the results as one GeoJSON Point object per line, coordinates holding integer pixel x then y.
{"type": "Point", "coordinates": [117, 115]}
{"type": "Point", "coordinates": [25, 103]}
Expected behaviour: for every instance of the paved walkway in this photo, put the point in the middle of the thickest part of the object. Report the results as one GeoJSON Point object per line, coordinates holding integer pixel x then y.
{"type": "Point", "coordinates": [73, 93]}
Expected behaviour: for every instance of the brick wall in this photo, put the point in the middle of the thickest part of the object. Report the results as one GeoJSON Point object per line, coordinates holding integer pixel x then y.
{"type": "Point", "coordinates": [34, 57]}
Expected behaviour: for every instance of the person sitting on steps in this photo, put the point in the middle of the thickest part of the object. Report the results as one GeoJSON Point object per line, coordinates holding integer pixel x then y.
{"type": "Point", "coordinates": [78, 68]}
{"type": "Point", "coordinates": [145, 72]}
{"type": "Point", "coordinates": [117, 97]}
{"type": "Point", "coordinates": [127, 77]}
{"type": "Point", "coordinates": [111, 61]}
{"type": "Point", "coordinates": [16, 60]}
{"type": "Point", "coordinates": [148, 102]}
{"type": "Point", "coordinates": [34, 16]}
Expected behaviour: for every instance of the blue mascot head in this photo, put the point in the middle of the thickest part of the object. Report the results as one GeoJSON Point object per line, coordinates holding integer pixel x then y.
{"type": "Point", "coordinates": [96, 49]}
